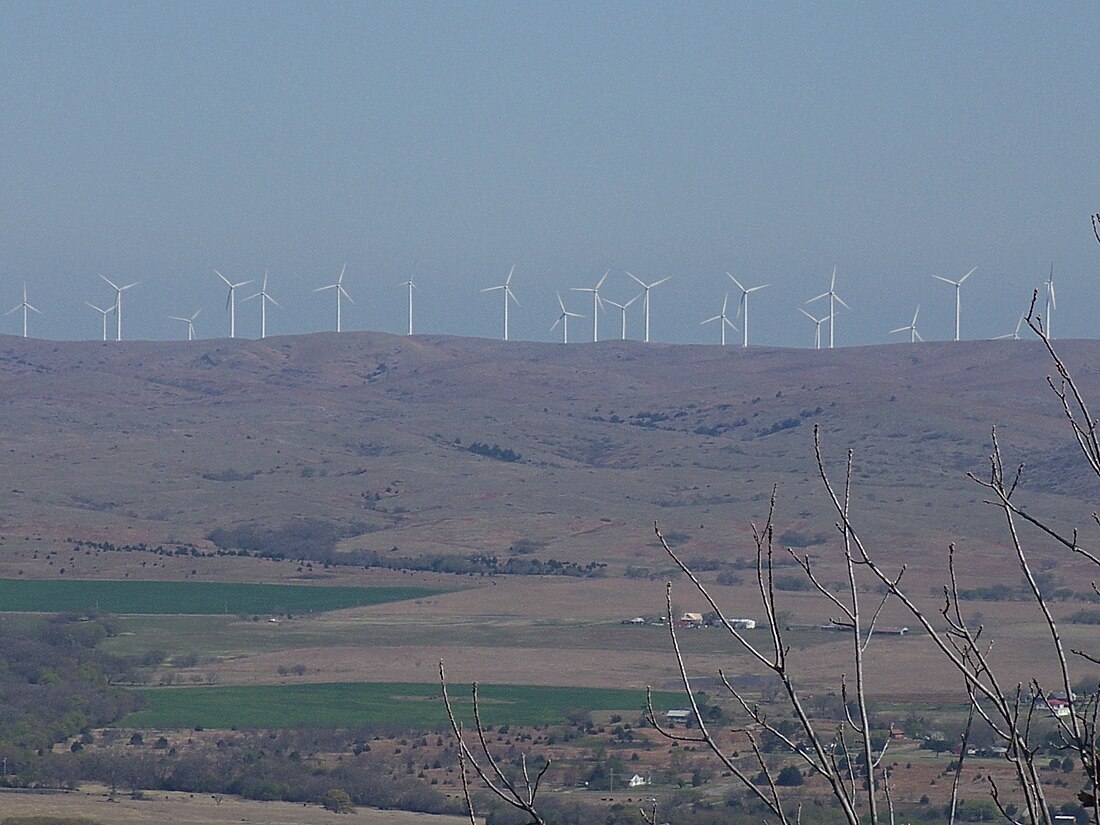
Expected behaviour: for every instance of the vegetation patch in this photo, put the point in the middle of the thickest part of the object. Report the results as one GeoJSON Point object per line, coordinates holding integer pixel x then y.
{"type": "Point", "coordinates": [392, 704]}
{"type": "Point", "coordinates": [128, 597]}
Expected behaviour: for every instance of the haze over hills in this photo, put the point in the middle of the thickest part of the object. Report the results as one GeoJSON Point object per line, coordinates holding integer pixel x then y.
{"type": "Point", "coordinates": [576, 450]}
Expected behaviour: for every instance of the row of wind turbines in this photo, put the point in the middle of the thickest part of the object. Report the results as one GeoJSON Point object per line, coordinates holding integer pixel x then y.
{"type": "Point", "coordinates": [723, 318]}
{"type": "Point", "coordinates": [599, 304]}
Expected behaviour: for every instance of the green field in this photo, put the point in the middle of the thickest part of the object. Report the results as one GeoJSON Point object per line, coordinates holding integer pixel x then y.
{"type": "Point", "coordinates": [404, 705]}
{"type": "Point", "coordinates": [197, 598]}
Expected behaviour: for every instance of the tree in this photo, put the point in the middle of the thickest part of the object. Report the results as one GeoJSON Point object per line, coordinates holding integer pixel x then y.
{"type": "Point", "coordinates": [338, 801]}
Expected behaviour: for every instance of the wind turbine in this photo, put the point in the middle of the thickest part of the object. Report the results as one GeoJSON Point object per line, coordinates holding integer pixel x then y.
{"type": "Point", "coordinates": [957, 284]}
{"type": "Point", "coordinates": [645, 302]}
{"type": "Point", "coordinates": [597, 303]}
{"type": "Point", "coordinates": [1051, 303]}
{"type": "Point", "coordinates": [563, 319]}
{"type": "Point", "coordinates": [104, 313]}
{"type": "Point", "coordinates": [1015, 336]}
{"type": "Point", "coordinates": [118, 303]}
{"type": "Point", "coordinates": [833, 297]}
{"type": "Point", "coordinates": [231, 302]}
{"type": "Point", "coordinates": [721, 316]}
{"type": "Point", "coordinates": [507, 292]}
{"type": "Point", "coordinates": [264, 298]}
{"type": "Point", "coordinates": [409, 283]}
{"type": "Point", "coordinates": [744, 305]}
{"type": "Point", "coordinates": [817, 329]}
{"type": "Point", "coordinates": [339, 287]}
{"type": "Point", "coordinates": [24, 306]}
{"type": "Point", "coordinates": [914, 336]}
{"type": "Point", "coordinates": [622, 309]}
{"type": "Point", "coordinates": [189, 321]}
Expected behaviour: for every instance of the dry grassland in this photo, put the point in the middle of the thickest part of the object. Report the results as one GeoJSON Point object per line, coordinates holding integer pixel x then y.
{"type": "Point", "coordinates": [162, 807]}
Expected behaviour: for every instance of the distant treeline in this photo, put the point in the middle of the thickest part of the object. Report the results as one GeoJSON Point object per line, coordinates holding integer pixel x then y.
{"type": "Point", "coordinates": [494, 451]}
{"type": "Point", "coordinates": [313, 540]}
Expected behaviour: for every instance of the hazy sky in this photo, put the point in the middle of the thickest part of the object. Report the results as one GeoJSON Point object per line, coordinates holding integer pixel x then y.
{"type": "Point", "coordinates": [155, 142]}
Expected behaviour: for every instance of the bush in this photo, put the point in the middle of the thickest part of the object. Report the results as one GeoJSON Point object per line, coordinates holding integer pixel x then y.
{"type": "Point", "coordinates": [789, 776]}
{"type": "Point", "coordinates": [338, 801]}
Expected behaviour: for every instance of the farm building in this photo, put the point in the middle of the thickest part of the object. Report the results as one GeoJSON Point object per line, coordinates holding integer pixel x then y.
{"type": "Point", "coordinates": [679, 716]}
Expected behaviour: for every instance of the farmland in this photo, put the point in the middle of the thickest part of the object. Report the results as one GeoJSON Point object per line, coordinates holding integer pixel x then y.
{"type": "Point", "coordinates": [393, 705]}
{"type": "Point", "coordinates": [196, 598]}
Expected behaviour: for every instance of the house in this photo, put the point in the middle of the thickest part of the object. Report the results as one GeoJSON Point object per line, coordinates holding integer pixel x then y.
{"type": "Point", "coordinates": [692, 620]}
{"type": "Point", "coordinates": [637, 780]}
{"type": "Point", "coordinates": [743, 624]}
{"type": "Point", "coordinates": [680, 715]}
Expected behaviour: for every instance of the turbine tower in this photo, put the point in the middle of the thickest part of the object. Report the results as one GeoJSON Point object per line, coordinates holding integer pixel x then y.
{"type": "Point", "coordinates": [409, 283]}
{"type": "Point", "coordinates": [264, 298]}
{"type": "Point", "coordinates": [507, 292]}
{"type": "Point", "coordinates": [622, 309]}
{"type": "Point", "coordinates": [24, 306]}
{"type": "Point", "coordinates": [118, 303]}
{"type": "Point", "coordinates": [1051, 303]}
{"type": "Point", "coordinates": [190, 323]}
{"type": "Point", "coordinates": [645, 301]}
{"type": "Point", "coordinates": [744, 305]}
{"type": "Point", "coordinates": [104, 313]}
{"type": "Point", "coordinates": [563, 319]}
{"type": "Point", "coordinates": [725, 321]}
{"type": "Point", "coordinates": [817, 328]}
{"type": "Point", "coordinates": [597, 304]}
{"type": "Point", "coordinates": [833, 300]}
{"type": "Point", "coordinates": [339, 287]}
{"type": "Point", "coordinates": [958, 303]}
{"type": "Point", "coordinates": [231, 302]}
{"type": "Point", "coordinates": [914, 336]}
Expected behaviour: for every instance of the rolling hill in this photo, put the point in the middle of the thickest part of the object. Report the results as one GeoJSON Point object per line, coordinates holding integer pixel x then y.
{"type": "Point", "coordinates": [461, 446]}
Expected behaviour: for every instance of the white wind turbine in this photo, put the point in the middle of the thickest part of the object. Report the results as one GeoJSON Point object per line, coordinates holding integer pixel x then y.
{"type": "Point", "coordinates": [24, 306]}
{"type": "Point", "coordinates": [264, 298]}
{"type": "Point", "coordinates": [104, 313]}
{"type": "Point", "coordinates": [1015, 336]}
{"type": "Point", "coordinates": [597, 303]}
{"type": "Point", "coordinates": [817, 329]}
{"type": "Point", "coordinates": [645, 299]}
{"type": "Point", "coordinates": [744, 305]}
{"type": "Point", "coordinates": [1051, 303]}
{"type": "Point", "coordinates": [409, 283]}
{"type": "Point", "coordinates": [958, 303]}
{"type": "Point", "coordinates": [622, 309]}
{"type": "Point", "coordinates": [563, 319]}
{"type": "Point", "coordinates": [507, 292]}
{"type": "Point", "coordinates": [189, 321]}
{"type": "Point", "coordinates": [914, 336]}
{"type": "Point", "coordinates": [833, 300]}
{"type": "Point", "coordinates": [725, 321]}
{"type": "Point", "coordinates": [231, 302]}
{"type": "Point", "coordinates": [339, 287]}
{"type": "Point", "coordinates": [118, 303]}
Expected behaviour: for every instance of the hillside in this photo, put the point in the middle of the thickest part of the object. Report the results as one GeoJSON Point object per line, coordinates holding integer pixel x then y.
{"type": "Point", "coordinates": [578, 449]}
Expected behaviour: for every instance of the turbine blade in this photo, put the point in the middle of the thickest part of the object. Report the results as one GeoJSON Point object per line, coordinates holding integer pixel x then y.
{"type": "Point", "coordinates": [599, 283]}
{"type": "Point", "coordinates": [108, 280]}
{"type": "Point", "coordinates": [736, 282]}
{"type": "Point", "coordinates": [840, 301]}
{"type": "Point", "coordinates": [953, 283]}
{"type": "Point", "coordinates": [631, 275]}
{"type": "Point", "coordinates": [215, 272]}
{"type": "Point", "coordinates": [967, 275]}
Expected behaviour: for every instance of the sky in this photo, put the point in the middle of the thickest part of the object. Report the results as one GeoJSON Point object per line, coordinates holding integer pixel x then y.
{"type": "Point", "coordinates": [447, 141]}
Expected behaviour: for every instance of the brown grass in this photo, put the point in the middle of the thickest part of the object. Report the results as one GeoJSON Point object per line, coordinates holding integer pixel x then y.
{"type": "Point", "coordinates": [160, 807]}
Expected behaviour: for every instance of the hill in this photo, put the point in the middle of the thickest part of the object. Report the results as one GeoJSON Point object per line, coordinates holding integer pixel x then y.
{"type": "Point", "coordinates": [461, 446]}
